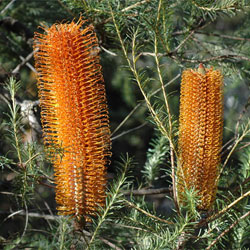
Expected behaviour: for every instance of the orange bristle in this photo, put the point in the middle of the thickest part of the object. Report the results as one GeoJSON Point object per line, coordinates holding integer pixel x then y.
{"type": "Point", "coordinates": [200, 134]}
{"type": "Point", "coordinates": [74, 115]}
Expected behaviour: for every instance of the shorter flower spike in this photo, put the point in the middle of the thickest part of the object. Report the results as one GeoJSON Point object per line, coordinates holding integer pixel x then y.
{"type": "Point", "coordinates": [74, 115]}
{"type": "Point", "coordinates": [200, 134]}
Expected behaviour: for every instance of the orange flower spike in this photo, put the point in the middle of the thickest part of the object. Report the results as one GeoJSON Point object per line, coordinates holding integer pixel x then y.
{"type": "Point", "coordinates": [74, 115]}
{"type": "Point", "coordinates": [200, 134]}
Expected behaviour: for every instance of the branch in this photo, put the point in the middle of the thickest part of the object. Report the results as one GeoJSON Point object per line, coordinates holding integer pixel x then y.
{"type": "Point", "coordinates": [245, 132]}
{"type": "Point", "coordinates": [24, 61]}
{"type": "Point", "coordinates": [126, 9]}
{"type": "Point", "coordinates": [110, 244]}
{"type": "Point", "coordinates": [130, 204]}
{"type": "Point", "coordinates": [227, 230]}
{"type": "Point", "coordinates": [149, 191]}
{"type": "Point", "coordinates": [213, 58]}
{"type": "Point", "coordinates": [229, 6]}
{"type": "Point", "coordinates": [172, 146]}
{"type": "Point", "coordinates": [183, 59]}
{"type": "Point", "coordinates": [224, 36]}
{"type": "Point", "coordinates": [7, 6]}
{"type": "Point", "coordinates": [9, 193]}
{"type": "Point", "coordinates": [141, 103]}
{"type": "Point", "coordinates": [198, 27]}
{"type": "Point", "coordinates": [224, 210]}
{"type": "Point", "coordinates": [135, 5]}
{"type": "Point", "coordinates": [128, 131]}
{"type": "Point", "coordinates": [22, 212]}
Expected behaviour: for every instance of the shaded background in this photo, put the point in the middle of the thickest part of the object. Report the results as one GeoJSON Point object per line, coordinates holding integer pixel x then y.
{"type": "Point", "coordinates": [20, 19]}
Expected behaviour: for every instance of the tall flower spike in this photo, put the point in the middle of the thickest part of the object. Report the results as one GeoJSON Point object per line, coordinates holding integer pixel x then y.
{"type": "Point", "coordinates": [74, 115]}
{"type": "Point", "coordinates": [200, 134]}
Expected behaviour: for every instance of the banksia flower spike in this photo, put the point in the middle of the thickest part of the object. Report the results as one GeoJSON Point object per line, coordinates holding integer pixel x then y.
{"type": "Point", "coordinates": [74, 115]}
{"type": "Point", "coordinates": [200, 134]}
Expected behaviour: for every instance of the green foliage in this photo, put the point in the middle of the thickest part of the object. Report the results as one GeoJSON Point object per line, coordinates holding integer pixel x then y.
{"type": "Point", "coordinates": [156, 157]}
{"type": "Point", "coordinates": [144, 47]}
{"type": "Point", "coordinates": [113, 201]}
{"type": "Point", "coordinates": [14, 125]}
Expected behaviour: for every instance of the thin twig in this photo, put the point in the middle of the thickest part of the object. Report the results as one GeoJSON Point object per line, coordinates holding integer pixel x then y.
{"type": "Point", "coordinates": [7, 6]}
{"type": "Point", "coordinates": [230, 6]}
{"type": "Point", "coordinates": [126, 118]}
{"type": "Point", "coordinates": [126, 9]}
{"type": "Point", "coordinates": [127, 226]}
{"type": "Point", "coordinates": [45, 184]}
{"type": "Point", "coordinates": [244, 110]}
{"type": "Point", "coordinates": [26, 220]}
{"type": "Point", "coordinates": [108, 51]}
{"type": "Point", "coordinates": [201, 46]}
{"type": "Point", "coordinates": [22, 212]}
{"type": "Point", "coordinates": [24, 61]}
{"type": "Point", "coordinates": [110, 244]}
{"type": "Point", "coordinates": [9, 193]}
{"type": "Point", "coordinates": [3, 97]}
{"type": "Point", "coordinates": [172, 147]}
{"type": "Point", "coordinates": [224, 36]}
{"type": "Point", "coordinates": [40, 231]}
{"type": "Point", "coordinates": [49, 209]}
{"type": "Point", "coordinates": [190, 35]}
{"type": "Point", "coordinates": [31, 158]}
{"type": "Point", "coordinates": [213, 58]}
{"type": "Point", "coordinates": [237, 141]}
{"type": "Point", "coordinates": [226, 145]}
{"type": "Point", "coordinates": [237, 126]}
{"type": "Point", "coordinates": [148, 191]}
{"type": "Point", "coordinates": [135, 5]}
{"type": "Point", "coordinates": [26, 213]}
{"type": "Point", "coordinates": [183, 42]}
{"type": "Point", "coordinates": [141, 103]}
{"type": "Point", "coordinates": [224, 210]}
{"type": "Point", "coordinates": [148, 214]}
{"type": "Point", "coordinates": [183, 59]}
{"type": "Point", "coordinates": [66, 8]}
{"type": "Point", "coordinates": [242, 147]}
{"type": "Point", "coordinates": [28, 64]}
{"type": "Point", "coordinates": [237, 188]}
{"type": "Point", "coordinates": [227, 230]}
{"type": "Point", "coordinates": [128, 131]}
{"type": "Point", "coordinates": [198, 27]}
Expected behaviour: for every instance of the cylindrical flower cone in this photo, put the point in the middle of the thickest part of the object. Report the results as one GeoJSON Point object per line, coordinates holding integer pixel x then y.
{"type": "Point", "coordinates": [200, 134]}
{"type": "Point", "coordinates": [74, 115]}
